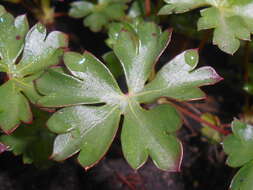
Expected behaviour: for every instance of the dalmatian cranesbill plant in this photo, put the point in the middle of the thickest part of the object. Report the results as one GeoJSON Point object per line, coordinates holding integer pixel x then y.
{"type": "Point", "coordinates": [94, 102]}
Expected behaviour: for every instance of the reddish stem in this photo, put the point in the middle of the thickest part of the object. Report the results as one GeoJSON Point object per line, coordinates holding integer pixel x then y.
{"type": "Point", "coordinates": [125, 181]}
{"type": "Point", "coordinates": [148, 7]}
{"type": "Point", "coordinates": [57, 15]}
{"type": "Point", "coordinates": [200, 120]}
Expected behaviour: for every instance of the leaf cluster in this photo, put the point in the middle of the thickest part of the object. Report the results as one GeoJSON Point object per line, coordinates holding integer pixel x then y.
{"type": "Point", "coordinates": [231, 20]}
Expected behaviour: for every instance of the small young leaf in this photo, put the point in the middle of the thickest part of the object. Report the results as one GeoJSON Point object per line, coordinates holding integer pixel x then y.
{"type": "Point", "coordinates": [98, 15]}
{"type": "Point", "coordinates": [231, 20]}
{"type": "Point", "coordinates": [39, 52]}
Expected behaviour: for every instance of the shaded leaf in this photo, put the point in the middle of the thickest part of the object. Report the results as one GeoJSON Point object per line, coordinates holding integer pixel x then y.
{"type": "Point", "coordinates": [34, 142]}
{"type": "Point", "coordinates": [231, 20]}
{"type": "Point", "coordinates": [100, 14]}
{"type": "Point", "coordinates": [113, 64]}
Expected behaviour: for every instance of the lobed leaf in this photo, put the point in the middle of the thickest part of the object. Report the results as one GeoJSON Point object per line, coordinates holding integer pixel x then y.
{"type": "Point", "coordinates": [178, 79]}
{"type": "Point", "coordinates": [88, 127]}
{"type": "Point", "coordinates": [138, 50]}
{"type": "Point", "coordinates": [23, 57]}
{"type": "Point", "coordinates": [80, 127]}
{"type": "Point", "coordinates": [92, 83]}
{"type": "Point", "coordinates": [149, 133]}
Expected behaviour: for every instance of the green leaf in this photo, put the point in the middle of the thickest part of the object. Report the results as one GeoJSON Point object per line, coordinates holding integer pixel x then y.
{"type": "Point", "coordinates": [81, 126]}
{"type": "Point", "coordinates": [243, 179]}
{"type": "Point", "coordinates": [89, 128]}
{"type": "Point", "coordinates": [238, 146]}
{"type": "Point", "coordinates": [96, 16]}
{"type": "Point", "coordinates": [138, 51]}
{"type": "Point", "coordinates": [231, 20]}
{"type": "Point", "coordinates": [34, 142]}
{"type": "Point", "coordinates": [181, 6]}
{"type": "Point", "coordinates": [179, 80]}
{"type": "Point", "coordinates": [149, 133]}
{"type": "Point", "coordinates": [24, 56]}
{"type": "Point", "coordinates": [93, 83]}
{"type": "Point", "coordinates": [14, 107]}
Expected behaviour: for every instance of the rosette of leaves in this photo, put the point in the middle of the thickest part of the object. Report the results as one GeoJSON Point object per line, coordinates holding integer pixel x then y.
{"type": "Point", "coordinates": [238, 146]}
{"type": "Point", "coordinates": [96, 16]}
{"type": "Point", "coordinates": [94, 102]}
{"type": "Point", "coordinates": [231, 20]}
{"type": "Point", "coordinates": [34, 142]}
{"type": "Point", "coordinates": [24, 55]}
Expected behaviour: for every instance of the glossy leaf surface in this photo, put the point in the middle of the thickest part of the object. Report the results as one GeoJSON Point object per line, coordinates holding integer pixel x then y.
{"type": "Point", "coordinates": [89, 129]}
{"type": "Point", "coordinates": [231, 20]}
{"type": "Point", "coordinates": [98, 15]}
{"type": "Point", "coordinates": [24, 55]}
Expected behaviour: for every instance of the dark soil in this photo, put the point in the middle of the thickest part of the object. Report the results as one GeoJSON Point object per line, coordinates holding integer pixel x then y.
{"type": "Point", "coordinates": [203, 164]}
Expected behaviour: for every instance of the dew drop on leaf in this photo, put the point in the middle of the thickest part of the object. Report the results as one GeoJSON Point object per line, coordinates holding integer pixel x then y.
{"type": "Point", "coordinates": [82, 61]}
{"type": "Point", "coordinates": [1, 19]}
{"type": "Point", "coordinates": [191, 58]}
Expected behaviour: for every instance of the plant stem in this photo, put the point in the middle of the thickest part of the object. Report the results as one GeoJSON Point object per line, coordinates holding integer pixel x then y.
{"type": "Point", "coordinates": [195, 117]}
{"type": "Point", "coordinates": [148, 7]}
{"type": "Point", "coordinates": [204, 39]}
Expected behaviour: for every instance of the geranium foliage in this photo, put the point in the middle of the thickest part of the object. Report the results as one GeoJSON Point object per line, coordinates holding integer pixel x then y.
{"type": "Point", "coordinates": [238, 146]}
{"type": "Point", "coordinates": [96, 16]}
{"type": "Point", "coordinates": [232, 20]}
{"type": "Point", "coordinates": [94, 102]}
{"type": "Point", "coordinates": [23, 57]}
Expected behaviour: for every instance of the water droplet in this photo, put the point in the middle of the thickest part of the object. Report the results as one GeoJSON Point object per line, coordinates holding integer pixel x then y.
{"type": "Point", "coordinates": [192, 58]}
{"type": "Point", "coordinates": [1, 19]}
{"type": "Point", "coordinates": [82, 61]}
{"type": "Point", "coordinates": [41, 28]}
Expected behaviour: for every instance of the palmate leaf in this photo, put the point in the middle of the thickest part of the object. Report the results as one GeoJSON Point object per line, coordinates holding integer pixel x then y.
{"type": "Point", "coordinates": [231, 20]}
{"type": "Point", "coordinates": [98, 15]}
{"type": "Point", "coordinates": [34, 141]}
{"type": "Point", "coordinates": [88, 128]}
{"type": "Point", "coordinates": [39, 52]}
{"type": "Point", "coordinates": [238, 146]}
